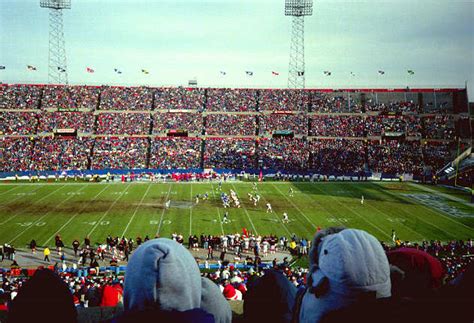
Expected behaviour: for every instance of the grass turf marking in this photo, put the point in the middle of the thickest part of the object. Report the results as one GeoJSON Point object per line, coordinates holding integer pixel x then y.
{"type": "Point", "coordinates": [136, 210]}
{"type": "Point", "coordinates": [74, 216]}
{"type": "Point", "coordinates": [108, 210]}
{"type": "Point", "coordinates": [42, 217]}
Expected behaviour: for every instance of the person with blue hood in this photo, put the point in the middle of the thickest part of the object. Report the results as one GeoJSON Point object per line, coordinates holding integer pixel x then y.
{"type": "Point", "coordinates": [163, 282]}
{"type": "Point", "coordinates": [347, 267]}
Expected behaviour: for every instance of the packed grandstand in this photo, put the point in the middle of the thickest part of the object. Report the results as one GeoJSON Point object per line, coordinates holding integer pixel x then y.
{"type": "Point", "coordinates": [333, 132]}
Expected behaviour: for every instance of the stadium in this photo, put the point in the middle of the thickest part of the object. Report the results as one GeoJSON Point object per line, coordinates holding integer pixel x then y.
{"type": "Point", "coordinates": [240, 186]}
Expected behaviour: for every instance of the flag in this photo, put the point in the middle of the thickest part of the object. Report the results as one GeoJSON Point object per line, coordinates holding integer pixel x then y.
{"type": "Point", "coordinates": [31, 67]}
{"type": "Point", "coordinates": [62, 70]}
{"type": "Point", "coordinates": [2, 67]}
{"type": "Point", "coordinates": [381, 72]}
{"type": "Point", "coordinates": [89, 70]}
{"type": "Point", "coordinates": [116, 70]}
{"type": "Point", "coordinates": [145, 71]}
{"type": "Point", "coordinates": [411, 72]}
{"type": "Point", "coordinates": [275, 73]}
{"type": "Point", "coordinates": [223, 73]}
{"type": "Point", "coordinates": [250, 73]}
{"type": "Point", "coordinates": [327, 73]}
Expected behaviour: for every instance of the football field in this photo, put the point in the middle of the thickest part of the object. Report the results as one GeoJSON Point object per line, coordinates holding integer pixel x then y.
{"type": "Point", "coordinates": [40, 211]}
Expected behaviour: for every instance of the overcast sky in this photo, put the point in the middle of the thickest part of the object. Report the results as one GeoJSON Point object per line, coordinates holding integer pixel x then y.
{"type": "Point", "coordinates": [177, 40]}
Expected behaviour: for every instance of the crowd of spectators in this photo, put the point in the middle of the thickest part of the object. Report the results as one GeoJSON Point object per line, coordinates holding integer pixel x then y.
{"type": "Point", "coordinates": [392, 107]}
{"type": "Point", "coordinates": [51, 153]}
{"type": "Point", "coordinates": [18, 123]}
{"type": "Point", "coordinates": [81, 121]}
{"type": "Point", "coordinates": [439, 127]}
{"type": "Point", "coordinates": [175, 152]}
{"type": "Point", "coordinates": [119, 153]}
{"type": "Point", "coordinates": [123, 124]}
{"type": "Point", "coordinates": [283, 100]}
{"type": "Point", "coordinates": [284, 111]}
{"type": "Point", "coordinates": [126, 98]}
{"type": "Point", "coordinates": [283, 153]}
{"type": "Point", "coordinates": [296, 123]}
{"type": "Point", "coordinates": [179, 98]}
{"type": "Point", "coordinates": [230, 153]}
{"type": "Point", "coordinates": [191, 122]}
{"type": "Point", "coordinates": [19, 96]}
{"type": "Point", "coordinates": [353, 275]}
{"type": "Point", "coordinates": [70, 97]}
{"type": "Point", "coordinates": [379, 125]}
{"type": "Point", "coordinates": [15, 154]}
{"type": "Point", "coordinates": [231, 100]}
{"type": "Point", "coordinates": [337, 126]}
{"type": "Point", "coordinates": [337, 156]}
{"type": "Point", "coordinates": [437, 154]}
{"type": "Point", "coordinates": [231, 124]}
{"type": "Point", "coordinates": [395, 157]}
{"type": "Point", "coordinates": [333, 103]}
{"type": "Point", "coordinates": [413, 124]}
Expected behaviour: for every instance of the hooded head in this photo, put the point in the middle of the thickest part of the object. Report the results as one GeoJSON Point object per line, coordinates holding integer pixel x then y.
{"type": "Point", "coordinates": [163, 275]}
{"type": "Point", "coordinates": [346, 266]}
{"type": "Point", "coordinates": [45, 290]}
{"type": "Point", "coordinates": [422, 272]}
{"type": "Point", "coordinates": [271, 296]}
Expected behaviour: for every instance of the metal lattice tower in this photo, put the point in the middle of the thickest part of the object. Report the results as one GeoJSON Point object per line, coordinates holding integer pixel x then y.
{"type": "Point", "coordinates": [296, 71]}
{"type": "Point", "coordinates": [57, 66]}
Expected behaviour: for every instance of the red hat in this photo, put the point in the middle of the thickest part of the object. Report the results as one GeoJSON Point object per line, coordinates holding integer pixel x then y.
{"type": "Point", "coordinates": [229, 292]}
{"type": "Point", "coordinates": [412, 260]}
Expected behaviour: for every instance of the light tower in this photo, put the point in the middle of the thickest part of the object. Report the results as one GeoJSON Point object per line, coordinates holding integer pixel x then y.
{"type": "Point", "coordinates": [297, 9]}
{"type": "Point", "coordinates": [57, 69]}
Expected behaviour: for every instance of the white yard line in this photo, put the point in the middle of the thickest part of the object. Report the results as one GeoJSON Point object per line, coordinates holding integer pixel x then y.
{"type": "Point", "coordinates": [107, 212]}
{"type": "Point", "coordinates": [44, 215]}
{"type": "Point", "coordinates": [248, 215]}
{"type": "Point", "coordinates": [191, 212]}
{"type": "Point", "coordinates": [433, 210]}
{"type": "Point", "coordinates": [360, 216]}
{"type": "Point", "coordinates": [136, 210]}
{"type": "Point", "coordinates": [11, 189]}
{"type": "Point", "coordinates": [19, 196]}
{"type": "Point", "coordinates": [17, 213]}
{"type": "Point", "coordinates": [447, 196]}
{"type": "Point", "coordinates": [295, 206]}
{"type": "Point", "coordinates": [74, 216]}
{"type": "Point", "coordinates": [278, 220]}
{"type": "Point", "coordinates": [218, 212]}
{"type": "Point", "coordinates": [387, 216]}
{"type": "Point", "coordinates": [164, 208]}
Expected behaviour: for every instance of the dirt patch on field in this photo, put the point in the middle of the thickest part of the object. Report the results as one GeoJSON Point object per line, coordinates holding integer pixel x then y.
{"type": "Point", "coordinates": [88, 207]}
{"type": "Point", "coordinates": [396, 187]}
{"type": "Point", "coordinates": [81, 207]}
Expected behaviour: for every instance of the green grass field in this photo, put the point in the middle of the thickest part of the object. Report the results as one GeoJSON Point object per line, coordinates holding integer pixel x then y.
{"type": "Point", "coordinates": [76, 210]}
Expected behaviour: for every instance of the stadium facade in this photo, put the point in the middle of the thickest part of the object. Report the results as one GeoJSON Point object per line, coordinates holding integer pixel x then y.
{"type": "Point", "coordinates": [87, 129]}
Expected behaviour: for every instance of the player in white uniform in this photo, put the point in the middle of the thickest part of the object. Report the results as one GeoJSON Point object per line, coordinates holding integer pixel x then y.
{"type": "Point", "coordinates": [362, 200]}
{"type": "Point", "coordinates": [291, 192]}
{"type": "Point", "coordinates": [269, 208]}
{"type": "Point", "coordinates": [167, 204]}
{"type": "Point", "coordinates": [226, 217]}
{"type": "Point", "coordinates": [285, 218]}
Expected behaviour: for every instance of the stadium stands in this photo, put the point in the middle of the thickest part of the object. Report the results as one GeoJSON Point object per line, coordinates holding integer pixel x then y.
{"type": "Point", "coordinates": [397, 131]}
{"type": "Point", "coordinates": [429, 279]}
{"type": "Point", "coordinates": [175, 153]}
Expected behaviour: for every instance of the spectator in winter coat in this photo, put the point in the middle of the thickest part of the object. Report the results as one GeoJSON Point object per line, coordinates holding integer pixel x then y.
{"type": "Point", "coordinates": [162, 277]}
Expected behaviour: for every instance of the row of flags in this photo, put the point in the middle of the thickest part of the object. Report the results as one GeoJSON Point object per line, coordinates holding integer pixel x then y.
{"type": "Point", "coordinates": [249, 73]}
{"type": "Point", "coordinates": [328, 73]}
